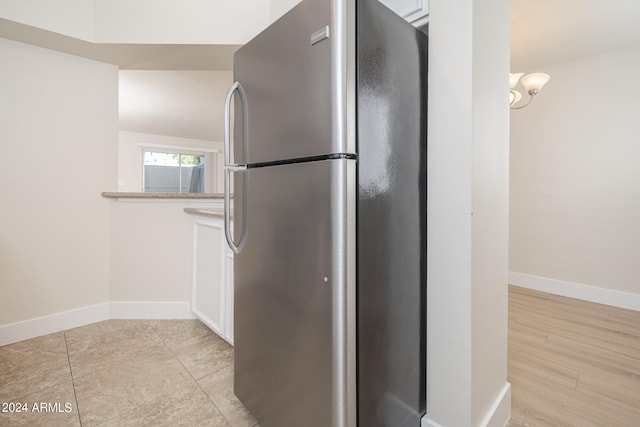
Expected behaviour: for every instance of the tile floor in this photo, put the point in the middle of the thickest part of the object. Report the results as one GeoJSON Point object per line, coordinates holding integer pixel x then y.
{"type": "Point", "coordinates": [121, 373]}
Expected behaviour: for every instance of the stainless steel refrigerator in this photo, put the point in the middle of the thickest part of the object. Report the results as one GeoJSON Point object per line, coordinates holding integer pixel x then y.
{"type": "Point", "coordinates": [327, 153]}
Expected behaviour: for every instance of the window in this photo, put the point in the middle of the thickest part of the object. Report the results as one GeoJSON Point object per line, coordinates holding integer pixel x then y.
{"type": "Point", "coordinates": [168, 171]}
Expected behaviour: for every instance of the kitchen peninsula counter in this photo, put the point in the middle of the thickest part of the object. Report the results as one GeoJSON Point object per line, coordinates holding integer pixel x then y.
{"type": "Point", "coordinates": [207, 212]}
{"type": "Point", "coordinates": [140, 195]}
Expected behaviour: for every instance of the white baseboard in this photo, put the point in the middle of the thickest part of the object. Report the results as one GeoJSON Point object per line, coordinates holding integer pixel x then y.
{"type": "Point", "coordinates": [150, 310]}
{"type": "Point", "coordinates": [57, 322]}
{"type": "Point", "coordinates": [426, 422]}
{"type": "Point", "coordinates": [576, 290]}
{"type": "Point", "coordinates": [497, 416]}
{"type": "Point", "coordinates": [500, 412]}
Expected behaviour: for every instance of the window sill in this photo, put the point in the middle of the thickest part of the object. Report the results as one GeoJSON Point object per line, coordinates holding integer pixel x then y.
{"type": "Point", "coordinates": [131, 195]}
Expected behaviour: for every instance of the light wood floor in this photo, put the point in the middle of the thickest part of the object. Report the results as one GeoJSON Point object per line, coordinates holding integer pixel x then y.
{"type": "Point", "coordinates": [571, 362]}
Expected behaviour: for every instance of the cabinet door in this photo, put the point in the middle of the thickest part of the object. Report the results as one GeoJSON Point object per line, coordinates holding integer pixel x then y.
{"type": "Point", "coordinates": [414, 11]}
{"type": "Point", "coordinates": [209, 290]}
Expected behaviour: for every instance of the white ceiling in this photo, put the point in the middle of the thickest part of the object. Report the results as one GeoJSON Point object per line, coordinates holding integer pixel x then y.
{"type": "Point", "coordinates": [543, 32]}
{"type": "Point", "coordinates": [175, 90]}
{"type": "Point", "coordinates": [127, 56]}
{"type": "Point", "coordinates": [186, 104]}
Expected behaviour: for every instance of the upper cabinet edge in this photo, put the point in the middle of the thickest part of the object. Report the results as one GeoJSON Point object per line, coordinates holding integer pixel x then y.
{"type": "Point", "coordinates": [415, 12]}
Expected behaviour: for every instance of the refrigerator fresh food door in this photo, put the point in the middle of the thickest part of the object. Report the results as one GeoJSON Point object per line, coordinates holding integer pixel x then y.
{"type": "Point", "coordinates": [286, 75]}
{"type": "Point", "coordinates": [294, 294]}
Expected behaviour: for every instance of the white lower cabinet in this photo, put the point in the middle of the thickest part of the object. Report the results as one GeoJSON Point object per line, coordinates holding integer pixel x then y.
{"type": "Point", "coordinates": [212, 300]}
{"type": "Point", "coordinates": [414, 11]}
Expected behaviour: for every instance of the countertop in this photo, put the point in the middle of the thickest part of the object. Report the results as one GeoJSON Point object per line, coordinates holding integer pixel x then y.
{"type": "Point", "coordinates": [131, 195]}
{"type": "Point", "coordinates": [208, 212]}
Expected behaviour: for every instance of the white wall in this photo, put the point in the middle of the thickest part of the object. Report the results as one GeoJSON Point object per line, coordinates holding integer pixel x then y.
{"type": "Point", "coordinates": [280, 7]}
{"type": "Point", "coordinates": [490, 213]}
{"type": "Point", "coordinates": [130, 157]}
{"type": "Point", "coordinates": [467, 219]}
{"type": "Point", "coordinates": [151, 250]}
{"type": "Point", "coordinates": [58, 145]}
{"type": "Point", "coordinates": [575, 181]}
{"type": "Point", "coordinates": [74, 18]}
{"type": "Point", "coordinates": [179, 21]}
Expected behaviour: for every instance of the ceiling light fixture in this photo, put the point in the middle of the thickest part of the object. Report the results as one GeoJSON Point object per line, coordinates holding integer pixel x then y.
{"type": "Point", "coordinates": [533, 83]}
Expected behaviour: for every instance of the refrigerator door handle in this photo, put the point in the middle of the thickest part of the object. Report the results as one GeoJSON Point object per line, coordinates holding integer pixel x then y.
{"type": "Point", "coordinates": [229, 168]}
{"type": "Point", "coordinates": [236, 87]}
{"type": "Point", "coordinates": [236, 248]}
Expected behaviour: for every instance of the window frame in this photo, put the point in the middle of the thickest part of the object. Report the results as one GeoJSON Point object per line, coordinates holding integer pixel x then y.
{"type": "Point", "coordinates": [210, 162]}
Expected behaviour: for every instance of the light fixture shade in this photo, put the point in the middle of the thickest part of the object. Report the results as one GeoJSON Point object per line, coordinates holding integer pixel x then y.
{"type": "Point", "coordinates": [534, 82]}
{"type": "Point", "coordinates": [513, 79]}
{"type": "Point", "coordinates": [514, 97]}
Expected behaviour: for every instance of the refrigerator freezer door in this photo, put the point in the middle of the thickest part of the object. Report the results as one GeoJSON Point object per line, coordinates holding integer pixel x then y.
{"type": "Point", "coordinates": [286, 75]}
{"type": "Point", "coordinates": [294, 320]}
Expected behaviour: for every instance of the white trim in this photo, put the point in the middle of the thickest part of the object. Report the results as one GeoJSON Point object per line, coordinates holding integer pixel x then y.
{"type": "Point", "coordinates": [426, 422]}
{"type": "Point", "coordinates": [419, 16]}
{"type": "Point", "coordinates": [57, 322]}
{"type": "Point", "coordinates": [497, 416]}
{"type": "Point", "coordinates": [500, 412]}
{"type": "Point", "coordinates": [150, 310]}
{"type": "Point", "coordinates": [576, 290]}
{"type": "Point", "coordinates": [416, 12]}
{"type": "Point", "coordinates": [419, 22]}
{"type": "Point", "coordinates": [179, 148]}
{"type": "Point", "coordinates": [184, 200]}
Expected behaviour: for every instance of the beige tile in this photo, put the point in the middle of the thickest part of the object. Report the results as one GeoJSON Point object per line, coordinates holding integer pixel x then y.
{"type": "Point", "coordinates": [204, 355]}
{"type": "Point", "coordinates": [188, 406]}
{"type": "Point", "coordinates": [125, 385]}
{"type": "Point", "coordinates": [54, 406]}
{"type": "Point", "coordinates": [91, 354]}
{"type": "Point", "coordinates": [126, 372]}
{"type": "Point", "coordinates": [175, 332]}
{"type": "Point", "coordinates": [32, 365]}
{"type": "Point", "coordinates": [53, 343]}
{"type": "Point", "coordinates": [94, 330]}
{"type": "Point", "coordinates": [219, 388]}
